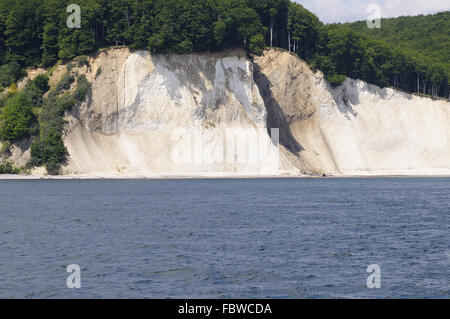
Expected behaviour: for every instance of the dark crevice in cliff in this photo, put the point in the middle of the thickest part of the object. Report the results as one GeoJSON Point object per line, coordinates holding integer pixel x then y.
{"type": "Point", "coordinates": [276, 118]}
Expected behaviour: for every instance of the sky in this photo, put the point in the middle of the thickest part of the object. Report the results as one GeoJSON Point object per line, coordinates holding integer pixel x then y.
{"type": "Point", "coordinates": [330, 11]}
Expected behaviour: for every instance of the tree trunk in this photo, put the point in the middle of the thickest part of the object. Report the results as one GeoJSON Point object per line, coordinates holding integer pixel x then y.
{"type": "Point", "coordinates": [418, 83]}
{"type": "Point", "coordinates": [128, 19]}
{"type": "Point", "coordinates": [289, 41]}
{"type": "Point", "coordinates": [271, 31]}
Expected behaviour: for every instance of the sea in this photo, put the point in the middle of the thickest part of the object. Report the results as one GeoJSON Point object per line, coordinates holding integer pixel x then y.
{"type": "Point", "coordinates": [225, 238]}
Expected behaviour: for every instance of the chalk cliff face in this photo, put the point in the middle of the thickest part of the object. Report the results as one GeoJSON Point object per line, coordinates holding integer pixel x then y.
{"type": "Point", "coordinates": [170, 115]}
{"type": "Point", "coordinates": [357, 128]}
{"type": "Point", "coordinates": [210, 114]}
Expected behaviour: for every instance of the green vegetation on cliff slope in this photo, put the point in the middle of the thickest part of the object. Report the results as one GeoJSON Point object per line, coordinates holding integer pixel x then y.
{"type": "Point", "coordinates": [48, 148]}
{"type": "Point", "coordinates": [29, 113]}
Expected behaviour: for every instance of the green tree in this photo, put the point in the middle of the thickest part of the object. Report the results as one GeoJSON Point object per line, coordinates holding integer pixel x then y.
{"type": "Point", "coordinates": [17, 118]}
{"type": "Point", "coordinates": [239, 26]}
{"type": "Point", "coordinates": [10, 73]}
{"type": "Point", "coordinates": [74, 42]}
{"type": "Point", "coordinates": [50, 44]}
{"type": "Point", "coordinates": [23, 32]}
{"type": "Point", "coordinates": [41, 81]}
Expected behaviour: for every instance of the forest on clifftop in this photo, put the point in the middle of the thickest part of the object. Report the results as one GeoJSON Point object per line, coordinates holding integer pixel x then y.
{"type": "Point", "coordinates": [34, 33]}
{"type": "Point", "coordinates": [424, 38]}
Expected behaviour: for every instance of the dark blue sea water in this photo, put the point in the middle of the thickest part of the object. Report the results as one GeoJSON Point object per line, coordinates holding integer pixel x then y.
{"type": "Point", "coordinates": [277, 238]}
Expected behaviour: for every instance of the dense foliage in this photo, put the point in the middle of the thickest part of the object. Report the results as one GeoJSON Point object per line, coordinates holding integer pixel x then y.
{"type": "Point", "coordinates": [10, 73]}
{"type": "Point", "coordinates": [17, 118]}
{"type": "Point", "coordinates": [34, 32]}
{"type": "Point", "coordinates": [425, 40]}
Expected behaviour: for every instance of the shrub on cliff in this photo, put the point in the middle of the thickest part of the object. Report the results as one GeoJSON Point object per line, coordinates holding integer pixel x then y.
{"type": "Point", "coordinates": [17, 119]}
{"type": "Point", "coordinates": [82, 89]}
{"type": "Point", "coordinates": [83, 61]}
{"type": "Point", "coordinates": [64, 84]}
{"type": "Point", "coordinates": [8, 168]}
{"type": "Point", "coordinates": [336, 79]}
{"type": "Point", "coordinates": [41, 82]}
{"type": "Point", "coordinates": [34, 94]}
{"type": "Point", "coordinates": [10, 73]}
{"type": "Point", "coordinates": [49, 151]}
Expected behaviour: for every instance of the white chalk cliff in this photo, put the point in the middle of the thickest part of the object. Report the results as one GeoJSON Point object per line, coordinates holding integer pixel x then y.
{"type": "Point", "coordinates": [144, 112]}
{"type": "Point", "coordinates": [357, 128]}
{"type": "Point", "coordinates": [170, 115]}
